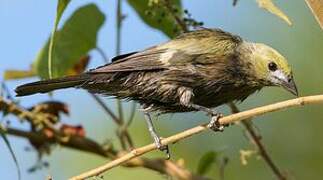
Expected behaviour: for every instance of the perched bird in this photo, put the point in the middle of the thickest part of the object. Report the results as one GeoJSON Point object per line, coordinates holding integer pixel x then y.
{"type": "Point", "coordinates": [196, 71]}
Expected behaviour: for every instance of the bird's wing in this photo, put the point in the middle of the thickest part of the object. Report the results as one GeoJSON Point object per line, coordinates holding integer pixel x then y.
{"type": "Point", "coordinates": [137, 61]}
{"type": "Point", "coordinates": [185, 49]}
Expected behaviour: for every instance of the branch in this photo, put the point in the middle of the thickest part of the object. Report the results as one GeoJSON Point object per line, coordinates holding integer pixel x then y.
{"type": "Point", "coordinates": [23, 114]}
{"type": "Point", "coordinates": [198, 129]}
{"type": "Point", "coordinates": [256, 138]}
{"type": "Point", "coordinates": [87, 145]}
{"type": "Point", "coordinates": [74, 142]}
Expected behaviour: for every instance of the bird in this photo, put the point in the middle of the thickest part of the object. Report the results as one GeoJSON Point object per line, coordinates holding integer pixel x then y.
{"type": "Point", "coordinates": [196, 71]}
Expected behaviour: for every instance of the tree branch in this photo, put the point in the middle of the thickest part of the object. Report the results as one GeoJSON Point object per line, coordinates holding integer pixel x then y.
{"type": "Point", "coordinates": [245, 115]}
{"type": "Point", "coordinates": [256, 138]}
{"type": "Point", "coordinates": [87, 145]}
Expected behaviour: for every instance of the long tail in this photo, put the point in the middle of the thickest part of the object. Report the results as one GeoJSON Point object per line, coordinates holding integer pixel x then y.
{"type": "Point", "coordinates": [51, 84]}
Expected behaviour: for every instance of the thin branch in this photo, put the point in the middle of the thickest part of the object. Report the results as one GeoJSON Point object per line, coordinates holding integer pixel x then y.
{"type": "Point", "coordinates": [256, 138]}
{"type": "Point", "coordinates": [132, 114]}
{"type": "Point", "coordinates": [23, 114]}
{"type": "Point", "coordinates": [103, 55]}
{"type": "Point", "coordinates": [106, 109]}
{"type": "Point", "coordinates": [115, 119]}
{"type": "Point", "coordinates": [118, 48]}
{"type": "Point", "coordinates": [87, 145]}
{"type": "Point", "coordinates": [74, 142]}
{"type": "Point", "coordinates": [245, 115]}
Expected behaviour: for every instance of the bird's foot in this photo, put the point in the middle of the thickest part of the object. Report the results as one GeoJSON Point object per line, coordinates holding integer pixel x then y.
{"type": "Point", "coordinates": [163, 148]}
{"type": "Point", "coordinates": [214, 124]}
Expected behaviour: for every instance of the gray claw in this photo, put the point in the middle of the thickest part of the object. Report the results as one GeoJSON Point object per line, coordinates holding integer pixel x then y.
{"type": "Point", "coordinates": [214, 123]}
{"type": "Point", "coordinates": [163, 148]}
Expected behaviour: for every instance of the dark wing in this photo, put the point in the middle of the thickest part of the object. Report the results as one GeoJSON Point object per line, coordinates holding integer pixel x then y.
{"type": "Point", "coordinates": [137, 61]}
{"type": "Point", "coordinates": [183, 50]}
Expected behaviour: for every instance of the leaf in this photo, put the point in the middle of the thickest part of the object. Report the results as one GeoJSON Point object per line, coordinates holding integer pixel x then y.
{"type": "Point", "coordinates": [72, 42]}
{"type": "Point", "coordinates": [316, 7]}
{"type": "Point", "coordinates": [272, 8]}
{"type": "Point", "coordinates": [18, 74]}
{"type": "Point", "coordinates": [62, 4]}
{"type": "Point", "coordinates": [206, 161]}
{"type": "Point", "coordinates": [78, 68]}
{"type": "Point", "coordinates": [5, 139]}
{"type": "Point", "coordinates": [154, 14]}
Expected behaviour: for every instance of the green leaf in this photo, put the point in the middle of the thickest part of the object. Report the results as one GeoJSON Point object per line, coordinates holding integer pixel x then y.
{"type": "Point", "coordinates": [62, 4]}
{"type": "Point", "coordinates": [17, 74]}
{"type": "Point", "coordinates": [157, 16]}
{"type": "Point", "coordinates": [206, 162]}
{"type": "Point", "coordinates": [73, 41]}
{"type": "Point", "coordinates": [5, 139]}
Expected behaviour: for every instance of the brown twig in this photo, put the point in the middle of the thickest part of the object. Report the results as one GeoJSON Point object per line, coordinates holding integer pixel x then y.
{"type": "Point", "coordinates": [74, 142]}
{"type": "Point", "coordinates": [118, 48]}
{"type": "Point", "coordinates": [245, 115]}
{"type": "Point", "coordinates": [85, 144]}
{"type": "Point", "coordinates": [256, 138]}
{"type": "Point", "coordinates": [23, 114]}
{"type": "Point", "coordinates": [116, 120]}
{"type": "Point", "coordinates": [106, 109]}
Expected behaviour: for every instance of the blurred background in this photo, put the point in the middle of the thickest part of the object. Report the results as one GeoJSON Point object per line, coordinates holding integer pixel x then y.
{"type": "Point", "coordinates": [293, 137]}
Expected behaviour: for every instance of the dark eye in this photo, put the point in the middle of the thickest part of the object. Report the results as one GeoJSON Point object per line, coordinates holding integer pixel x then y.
{"type": "Point", "coordinates": [272, 66]}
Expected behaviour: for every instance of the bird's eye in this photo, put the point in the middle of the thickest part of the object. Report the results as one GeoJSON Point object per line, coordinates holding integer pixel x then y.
{"type": "Point", "coordinates": [272, 66]}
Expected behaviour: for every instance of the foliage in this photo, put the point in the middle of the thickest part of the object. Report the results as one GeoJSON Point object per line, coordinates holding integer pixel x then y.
{"type": "Point", "coordinates": [73, 41]}
{"type": "Point", "coordinates": [154, 14]}
{"type": "Point", "coordinates": [7, 142]}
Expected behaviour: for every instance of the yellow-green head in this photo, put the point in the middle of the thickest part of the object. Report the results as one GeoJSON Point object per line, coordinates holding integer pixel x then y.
{"type": "Point", "coordinates": [268, 66]}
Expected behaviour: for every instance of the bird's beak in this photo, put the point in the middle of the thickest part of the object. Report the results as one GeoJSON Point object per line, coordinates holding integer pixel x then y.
{"type": "Point", "coordinates": [290, 86]}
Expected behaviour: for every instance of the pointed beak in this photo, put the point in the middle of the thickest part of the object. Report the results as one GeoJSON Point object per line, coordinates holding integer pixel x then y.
{"type": "Point", "coordinates": [290, 86]}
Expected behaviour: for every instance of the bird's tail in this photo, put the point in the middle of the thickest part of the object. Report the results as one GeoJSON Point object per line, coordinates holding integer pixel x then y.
{"type": "Point", "coordinates": [51, 84]}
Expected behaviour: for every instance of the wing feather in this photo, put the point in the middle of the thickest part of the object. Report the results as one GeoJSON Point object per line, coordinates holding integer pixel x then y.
{"type": "Point", "coordinates": [185, 49]}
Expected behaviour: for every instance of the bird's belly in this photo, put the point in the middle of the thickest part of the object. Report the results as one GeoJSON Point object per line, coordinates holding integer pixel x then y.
{"type": "Point", "coordinates": [201, 97]}
{"type": "Point", "coordinates": [223, 96]}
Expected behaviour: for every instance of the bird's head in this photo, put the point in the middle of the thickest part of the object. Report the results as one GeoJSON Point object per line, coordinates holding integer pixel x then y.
{"type": "Point", "coordinates": [270, 67]}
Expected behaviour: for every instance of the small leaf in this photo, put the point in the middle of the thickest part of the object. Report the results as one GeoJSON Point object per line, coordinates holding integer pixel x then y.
{"type": "Point", "coordinates": [158, 17]}
{"type": "Point", "coordinates": [316, 7]}
{"type": "Point", "coordinates": [272, 8]}
{"type": "Point", "coordinates": [18, 74]}
{"type": "Point", "coordinates": [5, 139]}
{"type": "Point", "coordinates": [206, 162]}
{"type": "Point", "coordinates": [80, 66]}
{"type": "Point", "coordinates": [62, 4]}
{"type": "Point", "coordinates": [72, 42]}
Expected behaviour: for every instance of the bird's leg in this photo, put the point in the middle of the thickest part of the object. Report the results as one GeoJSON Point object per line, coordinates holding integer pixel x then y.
{"type": "Point", "coordinates": [186, 95]}
{"type": "Point", "coordinates": [154, 135]}
{"type": "Point", "coordinates": [215, 116]}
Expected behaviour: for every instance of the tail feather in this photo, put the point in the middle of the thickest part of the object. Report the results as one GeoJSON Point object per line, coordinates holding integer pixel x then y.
{"type": "Point", "coordinates": [51, 84]}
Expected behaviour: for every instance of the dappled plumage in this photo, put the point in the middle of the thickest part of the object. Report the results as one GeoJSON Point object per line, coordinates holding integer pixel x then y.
{"type": "Point", "coordinates": [207, 67]}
